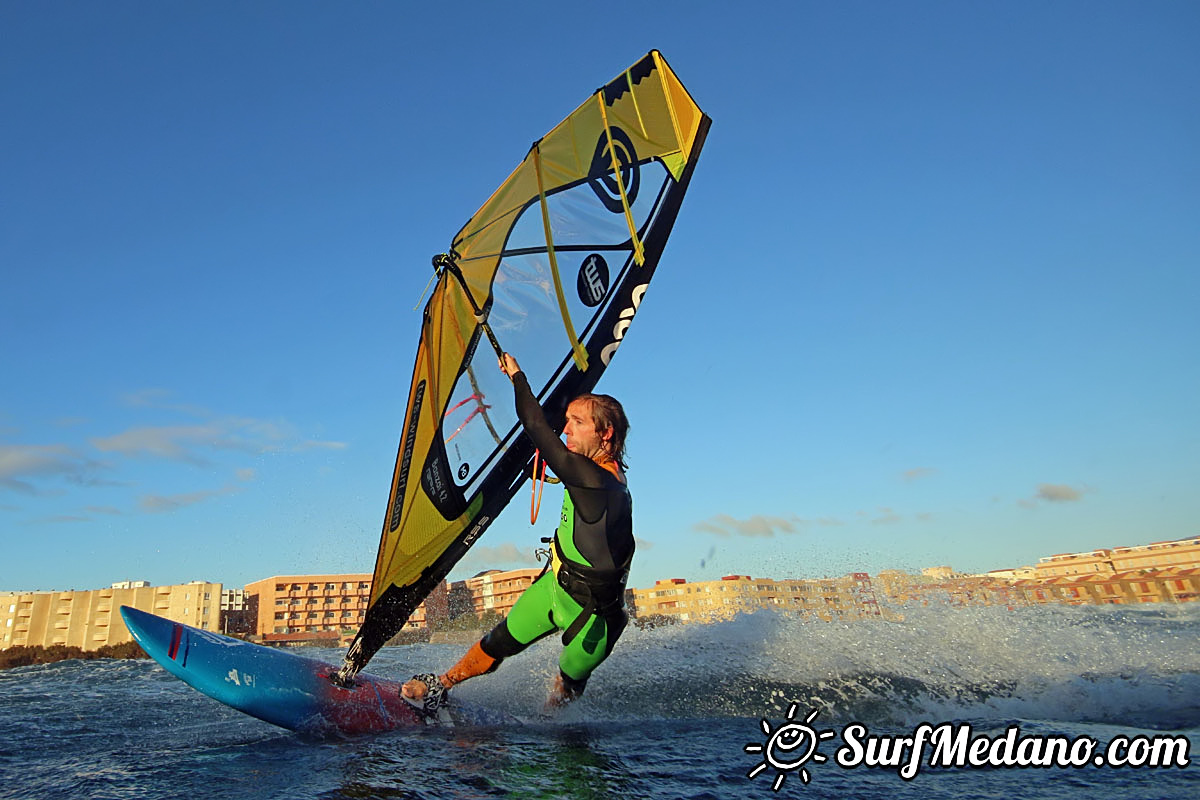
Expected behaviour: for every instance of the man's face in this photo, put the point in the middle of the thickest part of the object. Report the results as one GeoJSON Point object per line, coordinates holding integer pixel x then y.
{"type": "Point", "coordinates": [580, 430]}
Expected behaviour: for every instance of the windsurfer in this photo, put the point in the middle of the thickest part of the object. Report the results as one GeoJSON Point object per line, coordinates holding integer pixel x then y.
{"type": "Point", "coordinates": [582, 591]}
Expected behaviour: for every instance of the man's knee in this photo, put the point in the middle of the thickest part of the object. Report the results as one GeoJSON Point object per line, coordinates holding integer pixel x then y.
{"type": "Point", "coordinates": [499, 643]}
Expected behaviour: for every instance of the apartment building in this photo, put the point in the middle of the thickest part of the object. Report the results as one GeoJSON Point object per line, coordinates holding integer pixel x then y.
{"type": "Point", "coordinates": [237, 618]}
{"type": "Point", "coordinates": [434, 609]}
{"type": "Point", "coordinates": [709, 601]}
{"type": "Point", "coordinates": [91, 619]}
{"type": "Point", "coordinates": [294, 608]}
{"type": "Point", "coordinates": [948, 588]}
{"type": "Point", "coordinates": [1165, 585]}
{"type": "Point", "coordinates": [233, 600]}
{"type": "Point", "coordinates": [1094, 562]}
{"type": "Point", "coordinates": [494, 590]}
{"type": "Point", "coordinates": [1182, 553]}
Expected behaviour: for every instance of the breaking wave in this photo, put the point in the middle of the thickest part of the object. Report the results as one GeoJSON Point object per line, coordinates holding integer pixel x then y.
{"type": "Point", "coordinates": [1130, 666]}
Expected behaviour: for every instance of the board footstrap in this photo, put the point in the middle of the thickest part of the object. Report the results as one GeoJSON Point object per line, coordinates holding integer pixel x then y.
{"type": "Point", "coordinates": [435, 698]}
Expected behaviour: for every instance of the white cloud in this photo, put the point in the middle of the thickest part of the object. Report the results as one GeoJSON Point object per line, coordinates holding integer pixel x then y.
{"type": "Point", "coordinates": [1053, 493]}
{"type": "Point", "coordinates": [758, 525]}
{"type": "Point", "coordinates": [102, 510]}
{"type": "Point", "coordinates": [314, 444]}
{"type": "Point", "coordinates": [158, 398]}
{"type": "Point", "coordinates": [497, 557]}
{"type": "Point", "coordinates": [186, 443]}
{"type": "Point", "coordinates": [198, 438]}
{"type": "Point", "coordinates": [157, 504]}
{"type": "Point", "coordinates": [1058, 493]}
{"type": "Point", "coordinates": [18, 463]}
{"type": "Point", "coordinates": [887, 517]}
{"type": "Point", "coordinates": [916, 474]}
{"type": "Point", "coordinates": [170, 442]}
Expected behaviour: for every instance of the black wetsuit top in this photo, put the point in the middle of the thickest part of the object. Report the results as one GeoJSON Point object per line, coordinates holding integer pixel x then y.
{"type": "Point", "coordinates": [600, 529]}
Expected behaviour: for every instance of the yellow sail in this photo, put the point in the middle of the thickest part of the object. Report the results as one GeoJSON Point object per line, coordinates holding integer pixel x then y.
{"type": "Point", "coordinates": [553, 266]}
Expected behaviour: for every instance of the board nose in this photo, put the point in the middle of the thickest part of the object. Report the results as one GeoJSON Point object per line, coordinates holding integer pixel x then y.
{"type": "Point", "coordinates": [147, 629]}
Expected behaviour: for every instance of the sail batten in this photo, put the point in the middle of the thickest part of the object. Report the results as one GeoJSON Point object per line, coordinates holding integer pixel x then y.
{"type": "Point", "coordinates": [557, 245]}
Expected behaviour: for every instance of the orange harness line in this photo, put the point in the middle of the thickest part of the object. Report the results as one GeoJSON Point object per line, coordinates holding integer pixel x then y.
{"type": "Point", "coordinates": [535, 498]}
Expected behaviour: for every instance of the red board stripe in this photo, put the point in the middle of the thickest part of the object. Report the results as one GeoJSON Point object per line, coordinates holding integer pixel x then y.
{"type": "Point", "coordinates": [175, 637]}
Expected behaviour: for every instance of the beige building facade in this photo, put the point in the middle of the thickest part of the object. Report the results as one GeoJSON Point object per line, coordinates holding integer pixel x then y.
{"type": "Point", "coordinates": [292, 608]}
{"type": "Point", "coordinates": [91, 619]}
{"type": "Point", "coordinates": [709, 601]}
{"type": "Point", "coordinates": [296, 609]}
{"type": "Point", "coordinates": [1164, 585]}
{"type": "Point", "coordinates": [1179, 553]}
{"type": "Point", "coordinates": [495, 590]}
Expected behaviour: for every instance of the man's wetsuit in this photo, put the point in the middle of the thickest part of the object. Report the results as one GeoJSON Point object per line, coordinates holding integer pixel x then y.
{"type": "Point", "coordinates": [584, 594]}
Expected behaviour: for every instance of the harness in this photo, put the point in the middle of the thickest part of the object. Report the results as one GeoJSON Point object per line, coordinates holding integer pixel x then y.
{"type": "Point", "coordinates": [598, 591]}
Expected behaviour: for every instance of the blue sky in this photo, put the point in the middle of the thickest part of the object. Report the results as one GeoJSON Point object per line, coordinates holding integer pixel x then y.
{"type": "Point", "coordinates": [932, 298]}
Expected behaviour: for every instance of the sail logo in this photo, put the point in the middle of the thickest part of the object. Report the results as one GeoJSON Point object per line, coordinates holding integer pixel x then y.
{"type": "Point", "coordinates": [603, 179]}
{"type": "Point", "coordinates": [592, 284]}
{"type": "Point", "coordinates": [480, 524]}
{"type": "Point", "coordinates": [434, 483]}
{"type": "Point", "coordinates": [622, 325]}
{"type": "Point", "coordinates": [410, 439]}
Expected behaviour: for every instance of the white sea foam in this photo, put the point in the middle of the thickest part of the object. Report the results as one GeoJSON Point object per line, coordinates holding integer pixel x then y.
{"type": "Point", "coordinates": [1130, 666]}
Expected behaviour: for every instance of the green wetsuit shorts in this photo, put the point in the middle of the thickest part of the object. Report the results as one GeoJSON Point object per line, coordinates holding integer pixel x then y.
{"type": "Point", "coordinates": [546, 607]}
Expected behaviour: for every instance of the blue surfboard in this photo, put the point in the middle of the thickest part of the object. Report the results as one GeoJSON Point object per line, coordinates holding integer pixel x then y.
{"type": "Point", "coordinates": [282, 688]}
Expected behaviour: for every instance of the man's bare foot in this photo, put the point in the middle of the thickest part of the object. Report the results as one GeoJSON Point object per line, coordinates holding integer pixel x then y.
{"type": "Point", "coordinates": [414, 689]}
{"type": "Point", "coordinates": [560, 696]}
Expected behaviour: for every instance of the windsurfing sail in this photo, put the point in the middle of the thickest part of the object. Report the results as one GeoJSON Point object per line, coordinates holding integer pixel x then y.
{"type": "Point", "coordinates": [554, 266]}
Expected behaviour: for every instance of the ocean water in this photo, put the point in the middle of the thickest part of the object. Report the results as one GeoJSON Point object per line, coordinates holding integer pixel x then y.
{"type": "Point", "coordinates": [670, 715]}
